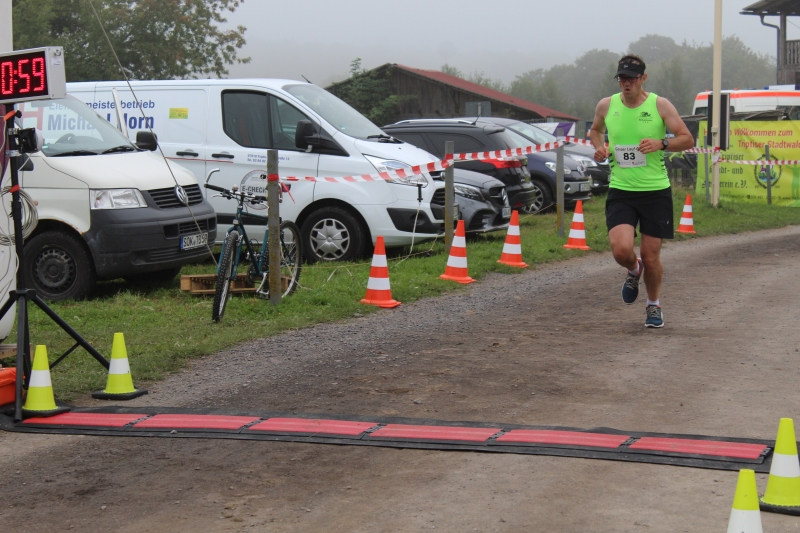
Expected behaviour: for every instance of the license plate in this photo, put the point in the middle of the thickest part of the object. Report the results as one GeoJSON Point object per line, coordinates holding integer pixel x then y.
{"type": "Point", "coordinates": [194, 241]}
{"type": "Point", "coordinates": [586, 186]}
{"type": "Point", "coordinates": [506, 212]}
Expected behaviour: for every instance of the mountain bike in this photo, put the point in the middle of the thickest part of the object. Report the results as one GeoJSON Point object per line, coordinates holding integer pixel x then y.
{"type": "Point", "coordinates": [237, 241]}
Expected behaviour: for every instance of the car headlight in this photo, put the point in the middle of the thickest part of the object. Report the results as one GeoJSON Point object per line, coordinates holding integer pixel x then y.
{"type": "Point", "coordinates": [386, 165]}
{"type": "Point", "coordinates": [585, 161]}
{"type": "Point", "coordinates": [552, 166]}
{"type": "Point", "coordinates": [468, 191]}
{"type": "Point", "coordinates": [116, 199]}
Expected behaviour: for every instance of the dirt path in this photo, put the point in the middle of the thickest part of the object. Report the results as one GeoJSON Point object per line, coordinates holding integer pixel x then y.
{"type": "Point", "coordinates": [550, 346]}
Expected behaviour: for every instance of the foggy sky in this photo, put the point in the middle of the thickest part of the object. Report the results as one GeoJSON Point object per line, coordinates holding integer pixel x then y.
{"type": "Point", "coordinates": [319, 38]}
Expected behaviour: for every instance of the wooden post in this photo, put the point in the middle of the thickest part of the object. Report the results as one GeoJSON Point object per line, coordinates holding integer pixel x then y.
{"type": "Point", "coordinates": [274, 227]}
{"type": "Point", "coordinates": [769, 175]}
{"type": "Point", "coordinates": [449, 198]}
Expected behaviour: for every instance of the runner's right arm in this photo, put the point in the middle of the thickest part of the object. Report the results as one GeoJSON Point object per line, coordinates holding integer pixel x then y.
{"type": "Point", "coordinates": [597, 133]}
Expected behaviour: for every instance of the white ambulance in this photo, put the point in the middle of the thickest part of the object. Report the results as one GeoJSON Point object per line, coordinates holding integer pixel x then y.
{"type": "Point", "coordinates": [230, 124]}
{"type": "Point", "coordinates": [751, 100]}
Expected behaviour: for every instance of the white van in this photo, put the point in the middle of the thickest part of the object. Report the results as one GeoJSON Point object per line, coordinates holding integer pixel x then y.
{"type": "Point", "coordinates": [229, 124]}
{"type": "Point", "coordinates": [107, 208]}
{"type": "Point", "coordinates": [751, 100]}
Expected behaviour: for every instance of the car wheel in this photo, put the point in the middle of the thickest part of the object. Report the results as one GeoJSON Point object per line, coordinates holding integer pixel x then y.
{"type": "Point", "coordinates": [58, 266]}
{"type": "Point", "coordinates": [542, 200]}
{"type": "Point", "coordinates": [332, 234]}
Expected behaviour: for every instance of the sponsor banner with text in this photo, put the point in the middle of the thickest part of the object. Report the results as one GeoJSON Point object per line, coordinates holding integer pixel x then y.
{"type": "Point", "coordinates": [748, 182]}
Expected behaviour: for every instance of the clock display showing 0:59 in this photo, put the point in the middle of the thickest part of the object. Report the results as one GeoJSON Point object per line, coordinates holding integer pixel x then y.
{"type": "Point", "coordinates": [23, 75]}
{"type": "Point", "coordinates": [32, 74]}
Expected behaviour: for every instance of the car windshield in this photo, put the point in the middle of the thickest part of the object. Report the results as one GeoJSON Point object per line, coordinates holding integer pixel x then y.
{"type": "Point", "coordinates": [338, 114]}
{"type": "Point", "coordinates": [532, 132]}
{"type": "Point", "coordinates": [513, 139]}
{"type": "Point", "coordinates": [69, 127]}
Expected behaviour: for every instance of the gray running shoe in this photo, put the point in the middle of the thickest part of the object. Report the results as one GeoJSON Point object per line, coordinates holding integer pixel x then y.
{"type": "Point", "coordinates": [630, 289]}
{"type": "Point", "coordinates": [655, 319]}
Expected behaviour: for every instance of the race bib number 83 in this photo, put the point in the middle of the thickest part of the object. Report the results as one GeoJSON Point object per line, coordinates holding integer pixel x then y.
{"type": "Point", "coordinates": [629, 156]}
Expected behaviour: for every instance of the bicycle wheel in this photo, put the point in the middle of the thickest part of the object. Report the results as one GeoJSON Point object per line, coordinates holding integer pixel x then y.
{"type": "Point", "coordinates": [291, 259]}
{"type": "Point", "coordinates": [225, 276]}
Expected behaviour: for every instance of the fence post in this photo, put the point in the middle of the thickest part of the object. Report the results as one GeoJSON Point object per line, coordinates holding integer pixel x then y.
{"type": "Point", "coordinates": [274, 227]}
{"type": "Point", "coordinates": [449, 198]}
{"type": "Point", "coordinates": [769, 175]}
{"type": "Point", "coordinates": [560, 189]}
{"type": "Point", "coordinates": [705, 167]}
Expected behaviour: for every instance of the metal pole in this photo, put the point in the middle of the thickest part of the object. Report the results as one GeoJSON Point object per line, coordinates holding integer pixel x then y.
{"type": "Point", "coordinates": [708, 170]}
{"type": "Point", "coordinates": [449, 198]}
{"type": "Point", "coordinates": [717, 91]}
{"type": "Point", "coordinates": [274, 227]}
{"type": "Point", "coordinates": [560, 190]}
{"type": "Point", "coordinates": [769, 175]}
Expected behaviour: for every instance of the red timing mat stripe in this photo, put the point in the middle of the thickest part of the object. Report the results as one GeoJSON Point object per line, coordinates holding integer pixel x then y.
{"type": "Point", "coordinates": [700, 447]}
{"type": "Point", "coordinates": [403, 431]}
{"type": "Point", "coordinates": [570, 438]}
{"type": "Point", "coordinates": [87, 419]}
{"type": "Point", "coordinates": [180, 421]}
{"type": "Point", "coordinates": [308, 425]}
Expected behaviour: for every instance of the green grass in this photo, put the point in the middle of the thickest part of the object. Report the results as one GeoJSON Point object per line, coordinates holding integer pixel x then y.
{"type": "Point", "coordinates": [165, 327]}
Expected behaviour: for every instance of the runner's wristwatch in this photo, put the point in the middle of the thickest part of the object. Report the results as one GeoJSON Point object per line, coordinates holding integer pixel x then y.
{"type": "Point", "coordinates": [665, 144]}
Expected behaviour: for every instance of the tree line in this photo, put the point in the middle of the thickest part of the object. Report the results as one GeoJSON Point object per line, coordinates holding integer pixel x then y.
{"type": "Point", "coordinates": [675, 71]}
{"type": "Point", "coordinates": [154, 39]}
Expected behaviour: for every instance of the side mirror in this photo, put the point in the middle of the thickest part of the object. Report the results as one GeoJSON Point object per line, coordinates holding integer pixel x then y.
{"type": "Point", "coordinates": [146, 140]}
{"type": "Point", "coordinates": [305, 135]}
{"type": "Point", "coordinates": [27, 166]}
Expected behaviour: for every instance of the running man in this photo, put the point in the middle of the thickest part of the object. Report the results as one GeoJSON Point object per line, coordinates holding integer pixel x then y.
{"type": "Point", "coordinates": [639, 192]}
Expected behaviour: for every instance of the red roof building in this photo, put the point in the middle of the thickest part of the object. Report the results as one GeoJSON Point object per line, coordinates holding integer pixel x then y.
{"type": "Point", "coordinates": [434, 94]}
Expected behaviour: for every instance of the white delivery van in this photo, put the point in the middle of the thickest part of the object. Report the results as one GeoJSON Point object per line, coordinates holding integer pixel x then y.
{"type": "Point", "coordinates": [107, 208]}
{"type": "Point", "coordinates": [229, 124]}
{"type": "Point", "coordinates": [751, 100]}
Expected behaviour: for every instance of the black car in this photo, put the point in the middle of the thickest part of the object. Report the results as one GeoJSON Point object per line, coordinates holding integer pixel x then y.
{"type": "Point", "coordinates": [598, 172]}
{"type": "Point", "coordinates": [482, 201]}
{"type": "Point", "coordinates": [530, 192]}
{"type": "Point", "coordinates": [431, 135]}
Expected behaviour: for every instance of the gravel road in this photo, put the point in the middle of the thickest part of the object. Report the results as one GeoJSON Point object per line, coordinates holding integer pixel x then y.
{"type": "Point", "coordinates": [551, 346]}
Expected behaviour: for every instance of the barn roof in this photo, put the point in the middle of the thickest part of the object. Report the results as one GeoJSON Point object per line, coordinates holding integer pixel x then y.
{"type": "Point", "coordinates": [486, 92]}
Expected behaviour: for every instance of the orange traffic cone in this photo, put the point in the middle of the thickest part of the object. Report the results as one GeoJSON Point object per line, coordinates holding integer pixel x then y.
{"type": "Point", "coordinates": [378, 290]}
{"type": "Point", "coordinates": [512, 249]}
{"type": "Point", "coordinates": [577, 232]}
{"type": "Point", "coordinates": [456, 269]}
{"type": "Point", "coordinates": [687, 222]}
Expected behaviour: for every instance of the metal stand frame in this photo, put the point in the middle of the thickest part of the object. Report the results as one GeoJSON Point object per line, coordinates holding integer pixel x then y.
{"type": "Point", "coordinates": [22, 295]}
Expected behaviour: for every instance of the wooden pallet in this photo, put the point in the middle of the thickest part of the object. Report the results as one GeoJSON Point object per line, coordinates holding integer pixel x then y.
{"type": "Point", "coordinates": [207, 284]}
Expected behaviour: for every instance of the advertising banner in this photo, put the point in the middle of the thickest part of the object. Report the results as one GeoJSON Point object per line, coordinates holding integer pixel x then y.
{"type": "Point", "coordinates": [749, 182]}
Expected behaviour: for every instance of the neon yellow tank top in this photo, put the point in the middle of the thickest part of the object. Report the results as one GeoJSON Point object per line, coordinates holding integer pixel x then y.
{"type": "Point", "coordinates": [632, 170]}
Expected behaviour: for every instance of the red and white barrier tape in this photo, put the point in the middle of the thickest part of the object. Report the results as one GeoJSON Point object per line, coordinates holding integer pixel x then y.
{"type": "Point", "coordinates": [586, 142]}
{"type": "Point", "coordinates": [762, 162]}
{"type": "Point", "coordinates": [503, 154]}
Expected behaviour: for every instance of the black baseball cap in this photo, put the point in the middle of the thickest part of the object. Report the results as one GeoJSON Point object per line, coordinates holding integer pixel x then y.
{"type": "Point", "coordinates": [630, 67]}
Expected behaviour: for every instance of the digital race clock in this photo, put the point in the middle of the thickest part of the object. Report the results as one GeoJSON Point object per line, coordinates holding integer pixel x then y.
{"type": "Point", "coordinates": [34, 74]}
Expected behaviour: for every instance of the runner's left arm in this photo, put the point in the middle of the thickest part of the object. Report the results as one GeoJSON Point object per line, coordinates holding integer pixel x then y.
{"type": "Point", "coordinates": [683, 139]}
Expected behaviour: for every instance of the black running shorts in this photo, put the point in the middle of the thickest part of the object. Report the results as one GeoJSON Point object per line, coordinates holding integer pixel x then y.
{"type": "Point", "coordinates": [650, 210]}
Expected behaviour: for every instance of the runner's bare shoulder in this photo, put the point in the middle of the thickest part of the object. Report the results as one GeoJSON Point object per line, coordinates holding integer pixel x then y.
{"type": "Point", "coordinates": [602, 107]}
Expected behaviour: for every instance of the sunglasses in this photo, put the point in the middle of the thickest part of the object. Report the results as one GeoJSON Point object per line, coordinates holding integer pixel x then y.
{"type": "Point", "coordinates": [624, 79]}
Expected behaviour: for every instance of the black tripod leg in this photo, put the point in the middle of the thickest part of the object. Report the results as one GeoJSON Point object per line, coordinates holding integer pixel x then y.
{"type": "Point", "coordinates": [72, 333]}
{"type": "Point", "coordinates": [22, 325]}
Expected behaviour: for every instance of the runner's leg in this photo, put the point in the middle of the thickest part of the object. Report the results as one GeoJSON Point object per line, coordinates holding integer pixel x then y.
{"type": "Point", "coordinates": [650, 249]}
{"type": "Point", "coordinates": [621, 239]}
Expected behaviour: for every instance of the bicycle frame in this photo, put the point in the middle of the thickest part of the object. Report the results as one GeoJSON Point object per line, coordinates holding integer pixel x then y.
{"type": "Point", "coordinates": [237, 225]}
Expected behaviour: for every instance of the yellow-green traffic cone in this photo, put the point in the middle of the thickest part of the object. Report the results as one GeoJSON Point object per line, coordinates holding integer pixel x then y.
{"type": "Point", "coordinates": [39, 401]}
{"type": "Point", "coordinates": [120, 383]}
{"type": "Point", "coordinates": [783, 486]}
{"type": "Point", "coordinates": [745, 516]}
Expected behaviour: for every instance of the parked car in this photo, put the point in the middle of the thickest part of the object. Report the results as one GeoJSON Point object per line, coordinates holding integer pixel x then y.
{"type": "Point", "coordinates": [530, 181]}
{"type": "Point", "coordinates": [431, 135]}
{"type": "Point", "coordinates": [108, 208]}
{"type": "Point", "coordinates": [599, 173]}
{"type": "Point", "coordinates": [229, 124]}
{"type": "Point", "coordinates": [482, 201]}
